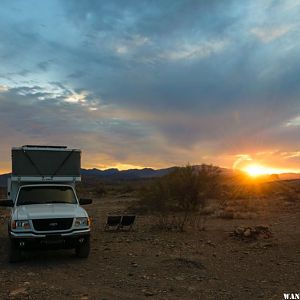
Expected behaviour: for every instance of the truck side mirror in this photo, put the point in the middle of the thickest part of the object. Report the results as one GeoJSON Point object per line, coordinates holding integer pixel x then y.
{"type": "Point", "coordinates": [7, 203]}
{"type": "Point", "coordinates": [84, 201]}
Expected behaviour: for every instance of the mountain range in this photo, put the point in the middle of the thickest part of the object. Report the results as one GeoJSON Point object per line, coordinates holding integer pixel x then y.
{"type": "Point", "coordinates": [113, 174]}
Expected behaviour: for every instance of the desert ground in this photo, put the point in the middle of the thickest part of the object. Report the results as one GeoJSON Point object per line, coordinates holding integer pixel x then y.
{"type": "Point", "coordinates": [147, 263]}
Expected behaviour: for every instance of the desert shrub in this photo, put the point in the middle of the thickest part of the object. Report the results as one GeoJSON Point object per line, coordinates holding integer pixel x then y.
{"type": "Point", "coordinates": [100, 190]}
{"type": "Point", "coordinates": [291, 196]}
{"type": "Point", "coordinates": [181, 195]}
{"type": "Point", "coordinates": [127, 188]}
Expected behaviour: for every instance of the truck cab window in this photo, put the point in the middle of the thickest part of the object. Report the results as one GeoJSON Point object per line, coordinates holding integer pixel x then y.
{"type": "Point", "coordinates": [46, 195]}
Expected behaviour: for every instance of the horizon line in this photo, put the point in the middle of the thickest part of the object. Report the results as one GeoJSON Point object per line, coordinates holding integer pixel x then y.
{"type": "Point", "coordinates": [156, 169]}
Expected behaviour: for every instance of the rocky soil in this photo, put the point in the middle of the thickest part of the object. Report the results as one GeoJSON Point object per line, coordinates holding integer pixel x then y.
{"type": "Point", "coordinates": [229, 260]}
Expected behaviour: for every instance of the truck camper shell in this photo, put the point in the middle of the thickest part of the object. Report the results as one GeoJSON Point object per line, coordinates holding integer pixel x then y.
{"type": "Point", "coordinates": [43, 164]}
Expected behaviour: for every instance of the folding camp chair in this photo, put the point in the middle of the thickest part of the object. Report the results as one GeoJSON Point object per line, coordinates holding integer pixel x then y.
{"type": "Point", "coordinates": [113, 221]}
{"type": "Point", "coordinates": [127, 221]}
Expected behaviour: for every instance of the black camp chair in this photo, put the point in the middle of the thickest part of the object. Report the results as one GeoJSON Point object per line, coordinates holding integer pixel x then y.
{"type": "Point", "coordinates": [127, 221]}
{"type": "Point", "coordinates": [113, 221]}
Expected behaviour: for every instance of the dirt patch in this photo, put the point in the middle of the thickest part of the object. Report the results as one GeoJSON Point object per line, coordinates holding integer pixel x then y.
{"type": "Point", "coordinates": [183, 263]}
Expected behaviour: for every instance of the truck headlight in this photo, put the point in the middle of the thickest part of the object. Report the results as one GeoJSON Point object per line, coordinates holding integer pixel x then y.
{"type": "Point", "coordinates": [82, 222]}
{"type": "Point", "coordinates": [21, 225]}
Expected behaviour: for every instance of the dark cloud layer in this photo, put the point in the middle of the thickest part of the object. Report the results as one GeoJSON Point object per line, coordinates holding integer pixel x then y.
{"type": "Point", "coordinates": [152, 83]}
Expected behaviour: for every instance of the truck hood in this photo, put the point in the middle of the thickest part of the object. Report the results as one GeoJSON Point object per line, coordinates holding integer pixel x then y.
{"type": "Point", "coordinates": [45, 211]}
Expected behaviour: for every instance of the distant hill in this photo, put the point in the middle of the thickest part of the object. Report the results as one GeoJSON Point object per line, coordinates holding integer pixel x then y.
{"type": "Point", "coordinates": [111, 174]}
{"type": "Point", "coordinates": [3, 179]}
{"type": "Point", "coordinates": [289, 176]}
{"type": "Point", "coordinates": [115, 174]}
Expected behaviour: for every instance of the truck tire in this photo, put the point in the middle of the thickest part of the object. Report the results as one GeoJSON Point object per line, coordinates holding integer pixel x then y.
{"type": "Point", "coordinates": [15, 253]}
{"type": "Point", "coordinates": [83, 250]}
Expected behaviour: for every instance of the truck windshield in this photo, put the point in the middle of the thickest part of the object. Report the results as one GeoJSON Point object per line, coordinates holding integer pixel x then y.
{"type": "Point", "coordinates": [46, 194]}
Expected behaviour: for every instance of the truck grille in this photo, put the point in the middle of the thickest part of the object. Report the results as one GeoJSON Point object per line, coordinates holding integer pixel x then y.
{"type": "Point", "coordinates": [52, 224]}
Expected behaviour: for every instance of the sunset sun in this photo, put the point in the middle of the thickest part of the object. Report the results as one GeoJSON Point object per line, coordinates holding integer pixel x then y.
{"type": "Point", "coordinates": [257, 170]}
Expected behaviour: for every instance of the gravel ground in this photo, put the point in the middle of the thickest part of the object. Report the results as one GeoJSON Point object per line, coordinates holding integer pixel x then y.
{"type": "Point", "coordinates": [149, 264]}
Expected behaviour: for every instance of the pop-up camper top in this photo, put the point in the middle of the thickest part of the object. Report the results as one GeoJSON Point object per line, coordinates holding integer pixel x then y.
{"type": "Point", "coordinates": [45, 161]}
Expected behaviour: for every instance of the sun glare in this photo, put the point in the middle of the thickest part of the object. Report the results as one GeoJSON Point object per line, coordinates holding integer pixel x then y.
{"type": "Point", "coordinates": [256, 170]}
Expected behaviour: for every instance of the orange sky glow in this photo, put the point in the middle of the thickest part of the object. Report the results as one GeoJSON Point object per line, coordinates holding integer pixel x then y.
{"type": "Point", "coordinates": [242, 162]}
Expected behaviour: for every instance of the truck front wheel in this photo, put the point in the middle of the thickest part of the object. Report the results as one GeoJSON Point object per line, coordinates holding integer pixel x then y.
{"type": "Point", "coordinates": [15, 253]}
{"type": "Point", "coordinates": [83, 250]}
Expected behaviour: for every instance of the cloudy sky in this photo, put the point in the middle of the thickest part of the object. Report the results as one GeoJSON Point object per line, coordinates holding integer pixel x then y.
{"type": "Point", "coordinates": [153, 83]}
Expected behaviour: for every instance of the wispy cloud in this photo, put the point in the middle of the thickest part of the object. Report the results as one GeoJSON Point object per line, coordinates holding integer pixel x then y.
{"type": "Point", "coordinates": [131, 44]}
{"type": "Point", "coordinates": [200, 50]}
{"type": "Point", "coordinates": [288, 155]}
{"type": "Point", "coordinates": [293, 122]}
{"type": "Point", "coordinates": [3, 88]}
{"type": "Point", "coordinates": [269, 34]}
{"type": "Point", "coordinates": [79, 97]}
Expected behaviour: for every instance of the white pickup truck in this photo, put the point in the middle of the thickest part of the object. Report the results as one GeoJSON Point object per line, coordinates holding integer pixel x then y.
{"type": "Point", "coordinates": [45, 210]}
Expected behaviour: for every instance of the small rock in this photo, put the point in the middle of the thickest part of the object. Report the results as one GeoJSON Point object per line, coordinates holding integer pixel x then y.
{"type": "Point", "coordinates": [239, 230]}
{"type": "Point", "coordinates": [148, 293]}
{"type": "Point", "coordinates": [210, 243]}
{"type": "Point", "coordinates": [179, 278]}
{"type": "Point", "coordinates": [247, 232]}
{"type": "Point", "coordinates": [267, 245]}
{"type": "Point", "coordinates": [18, 292]}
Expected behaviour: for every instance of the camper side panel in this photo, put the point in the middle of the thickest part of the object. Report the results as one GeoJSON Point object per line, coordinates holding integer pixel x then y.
{"type": "Point", "coordinates": [45, 162]}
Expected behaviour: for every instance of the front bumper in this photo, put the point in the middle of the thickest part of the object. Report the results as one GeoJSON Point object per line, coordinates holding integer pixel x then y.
{"type": "Point", "coordinates": [55, 240]}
